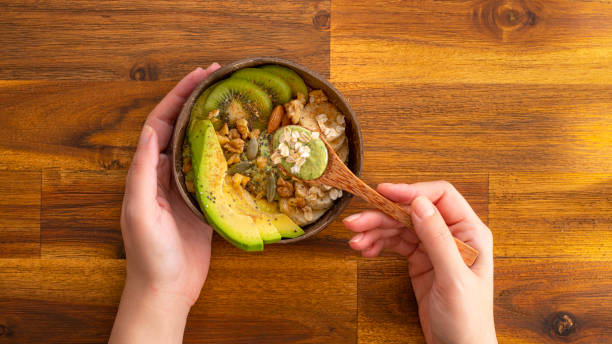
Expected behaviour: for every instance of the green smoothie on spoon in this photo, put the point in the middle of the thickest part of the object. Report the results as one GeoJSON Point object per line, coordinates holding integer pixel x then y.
{"type": "Point", "coordinates": [300, 152]}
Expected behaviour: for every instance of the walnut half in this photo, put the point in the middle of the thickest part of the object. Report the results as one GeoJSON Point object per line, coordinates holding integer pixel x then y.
{"type": "Point", "coordinates": [235, 146]}
{"type": "Point", "coordinates": [284, 188]}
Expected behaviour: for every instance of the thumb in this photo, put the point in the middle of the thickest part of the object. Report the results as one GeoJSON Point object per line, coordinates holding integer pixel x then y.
{"type": "Point", "coordinates": [141, 183]}
{"type": "Point", "coordinates": [436, 238]}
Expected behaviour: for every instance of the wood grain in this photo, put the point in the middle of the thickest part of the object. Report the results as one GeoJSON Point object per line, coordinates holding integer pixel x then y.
{"type": "Point", "coordinates": [277, 301]}
{"type": "Point", "coordinates": [552, 215]}
{"type": "Point", "coordinates": [508, 100]}
{"type": "Point", "coordinates": [388, 311]}
{"type": "Point", "coordinates": [532, 298]}
{"type": "Point", "coordinates": [487, 41]}
{"type": "Point", "coordinates": [553, 301]}
{"type": "Point", "coordinates": [483, 128]}
{"type": "Point", "coordinates": [96, 130]}
{"type": "Point", "coordinates": [80, 214]}
{"type": "Point", "coordinates": [155, 40]}
{"type": "Point", "coordinates": [20, 214]}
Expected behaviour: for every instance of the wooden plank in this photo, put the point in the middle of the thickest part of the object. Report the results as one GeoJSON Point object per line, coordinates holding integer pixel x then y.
{"type": "Point", "coordinates": [20, 214]}
{"type": "Point", "coordinates": [484, 128]}
{"type": "Point", "coordinates": [533, 298]}
{"type": "Point", "coordinates": [80, 214]}
{"type": "Point", "coordinates": [553, 301]}
{"type": "Point", "coordinates": [472, 42]}
{"type": "Point", "coordinates": [387, 308]}
{"type": "Point", "coordinates": [299, 299]}
{"type": "Point", "coordinates": [155, 40]}
{"type": "Point", "coordinates": [76, 125]}
{"type": "Point", "coordinates": [551, 215]}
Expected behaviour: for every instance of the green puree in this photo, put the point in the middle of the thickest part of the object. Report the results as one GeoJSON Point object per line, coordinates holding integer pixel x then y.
{"type": "Point", "coordinates": [315, 164]}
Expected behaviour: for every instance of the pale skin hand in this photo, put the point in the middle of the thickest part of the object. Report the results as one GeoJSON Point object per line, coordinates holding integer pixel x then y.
{"type": "Point", "coordinates": [167, 247]}
{"type": "Point", "coordinates": [455, 301]}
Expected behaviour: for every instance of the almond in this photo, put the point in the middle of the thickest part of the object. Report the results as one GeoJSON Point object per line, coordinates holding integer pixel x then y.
{"type": "Point", "coordinates": [275, 118]}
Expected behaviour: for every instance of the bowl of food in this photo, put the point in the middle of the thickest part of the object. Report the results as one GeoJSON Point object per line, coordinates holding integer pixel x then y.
{"type": "Point", "coordinates": [223, 165]}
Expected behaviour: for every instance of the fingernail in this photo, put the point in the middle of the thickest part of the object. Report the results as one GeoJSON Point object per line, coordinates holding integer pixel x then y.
{"type": "Point", "coordinates": [357, 238]}
{"type": "Point", "coordinates": [146, 134]}
{"type": "Point", "coordinates": [199, 69]}
{"type": "Point", "coordinates": [423, 207]}
{"type": "Point", "coordinates": [352, 217]}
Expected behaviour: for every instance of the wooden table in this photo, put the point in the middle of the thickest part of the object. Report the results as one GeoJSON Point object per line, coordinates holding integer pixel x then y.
{"type": "Point", "coordinates": [510, 100]}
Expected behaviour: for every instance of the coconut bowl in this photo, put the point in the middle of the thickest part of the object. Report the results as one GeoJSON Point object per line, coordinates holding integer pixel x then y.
{"type": "Point", "coordinates": [314, 81]}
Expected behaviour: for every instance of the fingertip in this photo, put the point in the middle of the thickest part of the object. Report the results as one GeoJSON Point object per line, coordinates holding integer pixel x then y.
{"type": "Point", "coordinates": [213, 66]}
{"type": "Point", "coordinates": [354, 242]}
{"type": "Point", "coordinates": [422, 207]}
{"type": "Point", "coordinates": [353, 223]}
{"type": "Point", "coordinates": [145, 135]}
{"type": "Point", "coordinates": [351, 218]}
{"type": "Point", "coordinates": [385, 185]}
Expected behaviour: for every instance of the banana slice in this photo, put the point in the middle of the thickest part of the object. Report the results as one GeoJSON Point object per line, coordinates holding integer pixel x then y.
{"type": "Point", "coordinates": [337, 143]}
{"type": "Point", "coordinates": [343, 151]}
{"type": "Point", "coordinates": [297, 215]}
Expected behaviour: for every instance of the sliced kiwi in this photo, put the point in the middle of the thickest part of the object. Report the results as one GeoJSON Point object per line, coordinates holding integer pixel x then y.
{"type": "Point", "coordinates": [278, 89]}
{"type": "Point", "coordinates": [238, 98]}
{"type": "Point", "coordinates": [198, 107]}
{"type": "Point", "coordinates": [198, 110]}
{"type": "Point", "coordinates": [292, 78]}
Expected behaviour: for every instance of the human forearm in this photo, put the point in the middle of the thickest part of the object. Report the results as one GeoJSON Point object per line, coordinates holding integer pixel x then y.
{"type": "Point", "coordinates": [146, 315]}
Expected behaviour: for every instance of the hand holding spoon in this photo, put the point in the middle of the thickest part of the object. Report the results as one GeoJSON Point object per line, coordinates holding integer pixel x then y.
{"type": "Point", "coordinates": [322, 165]}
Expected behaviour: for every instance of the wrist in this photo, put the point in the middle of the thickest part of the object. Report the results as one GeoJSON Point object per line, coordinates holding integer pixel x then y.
{"type": "Point", "coordinates": [156, 299]}
{"type": "Point", "coordinates": [149, 315]}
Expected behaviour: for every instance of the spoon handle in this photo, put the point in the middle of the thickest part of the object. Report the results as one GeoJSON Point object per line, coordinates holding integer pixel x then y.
{"type": "Point", "coordinates": [338, 175]}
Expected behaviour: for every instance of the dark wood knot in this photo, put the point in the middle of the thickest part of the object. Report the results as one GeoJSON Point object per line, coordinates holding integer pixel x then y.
{"type": "Point", "coordinates": [144, 72]}
{"type": "Point", "coordinates": [5, 331]}
{"type": "Point", "coordinates": [505, 19]}
{"type": "Point", "coordinates": [112, 165]}
{"type": "Point", "coordinates": [562, 324]}
{"type": "Point", "coordinates": [321, 20]}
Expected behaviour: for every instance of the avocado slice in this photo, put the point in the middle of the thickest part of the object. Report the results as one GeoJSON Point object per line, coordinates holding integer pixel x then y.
{"type": "Point", "coordinates": [284, 225]}
{"type": "Point", "coordinates": [210, 168]}
{"type": "Point", "coordinates": [244, 203]}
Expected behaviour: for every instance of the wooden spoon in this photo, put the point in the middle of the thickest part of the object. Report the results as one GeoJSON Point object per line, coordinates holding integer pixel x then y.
{"type": "Point", "coordinates": [339, 176]}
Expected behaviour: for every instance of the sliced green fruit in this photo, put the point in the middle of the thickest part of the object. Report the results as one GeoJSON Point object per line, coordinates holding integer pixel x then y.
{"type": "Point", "coordinates": [284, 225]}
{"type": "Point", "coordinates": [210, 168]}
{"type": "Point", "coordinates": [198, 112]}
{"type": "Point", "coordinates": [278, 89]}
{"type": "Point", "coordinates": [292, 78]}
{"type": "Point", "coordinates": [198, 107]}
{"type": "Point", "coordinates": [244, 202]}
{"type": "Point", "coordinates": [239, 98]}
{"type": "Point", "coordinates": [315, 164]}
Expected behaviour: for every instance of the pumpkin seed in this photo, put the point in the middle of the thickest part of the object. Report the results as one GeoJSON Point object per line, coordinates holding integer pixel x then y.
{"type": "Point", "coordinates": [252, 148]}
{"type": "Point", "coordinates": [239, 167]}
{"type": "Point", "coordinates": [271, 188]}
